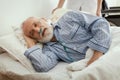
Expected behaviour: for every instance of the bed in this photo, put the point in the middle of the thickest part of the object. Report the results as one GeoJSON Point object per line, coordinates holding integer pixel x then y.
{"type": "Point", "coordinates": [15, 66]}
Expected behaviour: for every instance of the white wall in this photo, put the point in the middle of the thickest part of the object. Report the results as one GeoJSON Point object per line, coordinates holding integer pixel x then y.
{"type": "Point", "coordinates": [118, 3]}
{"type": "Point", "coordinates": [13, 12]}
{"type": "Point", "coordinates": [113, 3]}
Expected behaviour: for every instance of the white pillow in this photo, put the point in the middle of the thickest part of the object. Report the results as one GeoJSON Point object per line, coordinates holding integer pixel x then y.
{"type": "Point", "coordinates": [15, 49]}
{"type": "Point", "coordinates": [19, 34]}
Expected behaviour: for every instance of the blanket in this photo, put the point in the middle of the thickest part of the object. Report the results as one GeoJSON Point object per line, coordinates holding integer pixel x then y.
{"type": "Point", "coordinates": [11, 69]}
{"type": "Point", "coordinates": [107, 67]}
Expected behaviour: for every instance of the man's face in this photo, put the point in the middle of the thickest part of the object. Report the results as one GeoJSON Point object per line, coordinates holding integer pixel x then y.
{"type": "Point", "coordinates": [38, 29]}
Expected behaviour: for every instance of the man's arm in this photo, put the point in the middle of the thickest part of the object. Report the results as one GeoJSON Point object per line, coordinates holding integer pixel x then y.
{"type": "Point", "coordinates": [101, 40]}
{"type": "Point", "coordinates": [42, 59]}
{"type": "Point", "coordinates": [96, 55]}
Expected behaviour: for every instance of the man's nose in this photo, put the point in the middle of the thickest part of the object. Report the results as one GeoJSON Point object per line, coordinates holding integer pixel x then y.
{"type": "Point", "coordinates": [36, 29]}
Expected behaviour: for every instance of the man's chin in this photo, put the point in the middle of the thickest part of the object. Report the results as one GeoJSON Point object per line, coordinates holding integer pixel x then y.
{"type": "Point", "coordinates": [46, 39]}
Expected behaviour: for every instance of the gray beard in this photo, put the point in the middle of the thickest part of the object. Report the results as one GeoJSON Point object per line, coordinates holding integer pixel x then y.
{"type": "Point", "coordinates": [47, 38]}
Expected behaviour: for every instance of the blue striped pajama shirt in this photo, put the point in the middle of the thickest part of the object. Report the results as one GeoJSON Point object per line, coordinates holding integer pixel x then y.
{"type": "Point", "coordinates": [75, 33]}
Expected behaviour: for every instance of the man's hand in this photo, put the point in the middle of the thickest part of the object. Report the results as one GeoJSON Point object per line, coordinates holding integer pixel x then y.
{"type": "Point", "coordinates": [54, 10]}
{"type": "Point", "coordinates": [95, 56]}
{"type": "Point", "coordinates": [30, 42]}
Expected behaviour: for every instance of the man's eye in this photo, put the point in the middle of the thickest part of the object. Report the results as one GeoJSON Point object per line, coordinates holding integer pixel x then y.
{"type": "Point", "coordinates": [35, 25]}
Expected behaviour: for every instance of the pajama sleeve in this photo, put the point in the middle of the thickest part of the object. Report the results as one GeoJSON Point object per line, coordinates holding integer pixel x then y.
{"type": "Point", "coordinates": [41, 62]}
{"type": "Point", "coordinates": [101, 39]}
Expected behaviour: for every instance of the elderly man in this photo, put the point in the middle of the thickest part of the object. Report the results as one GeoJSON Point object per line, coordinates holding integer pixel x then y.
{"type": "Point", "coordinates": [68, 39]}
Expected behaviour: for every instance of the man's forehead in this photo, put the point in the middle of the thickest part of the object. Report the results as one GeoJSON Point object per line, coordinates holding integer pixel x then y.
{"type": "Point", "coordinates": [32, 19]}
{"type": "Point", "coordinates": [29, 22]}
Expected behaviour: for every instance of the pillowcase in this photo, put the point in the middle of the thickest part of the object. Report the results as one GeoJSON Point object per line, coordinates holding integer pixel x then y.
{"type": "Point", "coordinates": [15, 49]}
{"type": "Point", "coordinates": [19, 34]}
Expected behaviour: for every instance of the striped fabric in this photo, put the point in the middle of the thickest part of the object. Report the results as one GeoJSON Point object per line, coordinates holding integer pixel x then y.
{"type": "Point", "coordinates": [75, 33]}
